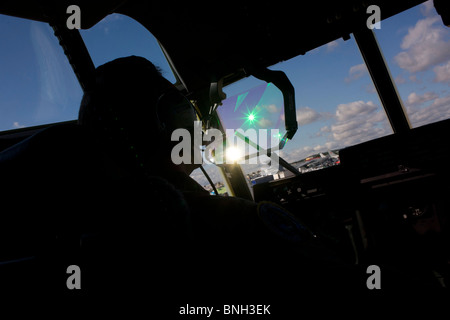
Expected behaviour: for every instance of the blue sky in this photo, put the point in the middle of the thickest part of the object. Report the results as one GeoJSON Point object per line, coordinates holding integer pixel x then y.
{"type": "Point", "coordinates": [337, 105]}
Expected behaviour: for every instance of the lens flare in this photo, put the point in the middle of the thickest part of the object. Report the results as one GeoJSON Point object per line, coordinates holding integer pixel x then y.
{"type": "Point", "coordinates": [251, 117]}
{"type": "Point", "coordinates": [233, 154]}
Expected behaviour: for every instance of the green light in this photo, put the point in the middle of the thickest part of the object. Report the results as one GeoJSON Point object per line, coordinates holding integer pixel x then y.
{"type": "Point", "coordinates": [250, 117]}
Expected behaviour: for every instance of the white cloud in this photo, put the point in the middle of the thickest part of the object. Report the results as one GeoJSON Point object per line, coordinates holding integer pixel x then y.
{"type": "Point", "coordinates": [357, 122]}
{"type": "Point", "coordinates": [424, 46]}
{"type": "Point", "coordinates": [318, 148]}
{"type": "Point", "coordinates": [332, 45]}
{"type": "Point", "coordinates": [436, 111]}
{"type": "Point", "coordinates": [357, 131]}
{"type": "Point", "coordinates": [349, 110]}
{"type": "Point", "coordinates": [307, 149]}
{"type": "Point", "coordinates": [378, 117]}
{"type": "Point", "coordinates": [427, 8]}
{"type": "Point", "coordinates": [414, 98]}
{"type": "Point", "coordinates": [306, 115]}
{"type": "Point", "coordinates": [354, 123]}
{"type": "Point", "coordinates": [323, 131]}
{"type": "Point", "coordinates": [18, 125]}
{"type": "Point", "coordinates": [271, 108]}
{"type": "Point", "coordinates": [400, 80]}
{"type": "Point", "coordinates": [265, 123]}
{"type": "Point", "coordinates": [356, 72]}
{"type": "Point", "coordinates": [345, 129]}
{"type": "Point", "coordinates": [326, 147]}
{"type": "Point", "coordinates": [442, 102]}
{"type": "Point", "coordinates": [297, 154]}
{"type": "Point", "coordinates": [442, 72]}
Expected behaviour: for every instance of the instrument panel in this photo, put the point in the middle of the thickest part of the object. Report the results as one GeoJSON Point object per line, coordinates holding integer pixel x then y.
{"type": "Point", "coordinates": [387, 201]}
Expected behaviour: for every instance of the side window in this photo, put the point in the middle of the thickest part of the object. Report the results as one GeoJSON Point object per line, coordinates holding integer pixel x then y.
{"type": "Point", "coordinates": [119, 36]}
{"type": "Point", "coordinates": [416, 45]}
{"type": "Point", "coordinates": [37, 84]}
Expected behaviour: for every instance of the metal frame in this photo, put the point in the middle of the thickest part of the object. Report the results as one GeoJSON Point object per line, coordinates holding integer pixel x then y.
{"type": "Point", "coordinates": [382, 79]}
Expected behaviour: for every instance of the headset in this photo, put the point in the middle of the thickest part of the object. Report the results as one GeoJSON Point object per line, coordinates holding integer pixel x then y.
{"type": "Point", "coordinates": [171, 106]}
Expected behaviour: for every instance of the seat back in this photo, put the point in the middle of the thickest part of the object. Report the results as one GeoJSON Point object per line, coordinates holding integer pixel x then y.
{"type": "Point", "coordinates": [64, 203]}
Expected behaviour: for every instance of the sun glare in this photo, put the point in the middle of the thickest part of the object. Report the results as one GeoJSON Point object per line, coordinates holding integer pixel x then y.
{"type": "Point", "coordinates": [233, 154]}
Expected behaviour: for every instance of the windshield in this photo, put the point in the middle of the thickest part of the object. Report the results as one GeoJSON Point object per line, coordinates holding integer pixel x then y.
{"type": "Point", "coordinates": [337, 103]}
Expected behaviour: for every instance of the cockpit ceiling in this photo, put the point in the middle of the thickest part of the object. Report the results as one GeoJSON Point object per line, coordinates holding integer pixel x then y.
{"type": "Point", "coordinates": [210, 40]}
